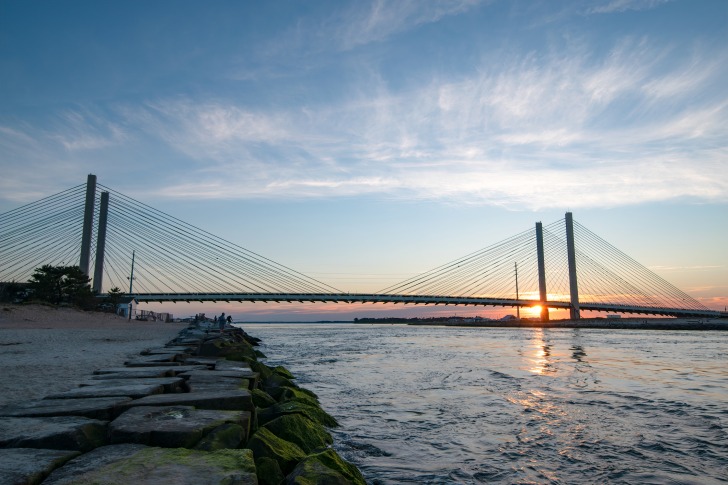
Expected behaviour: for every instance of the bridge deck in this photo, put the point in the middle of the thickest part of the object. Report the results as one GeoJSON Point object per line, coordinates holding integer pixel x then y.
{"type": "Point", "coordinates": [414, 300]}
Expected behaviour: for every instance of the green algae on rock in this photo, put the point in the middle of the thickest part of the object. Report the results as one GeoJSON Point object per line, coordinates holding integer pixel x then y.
{"type": "Point", "coordinates": [295, 407]}
{"type": "Point", "coordinates": [225, 436]}
{"type": "Point", "coordinates": [325, 467]}
{"type": "Point", "coordinates": [265, 444]}
{"type": "Point", "coordinates": [308, 435]}
{"type": "Point", "coordinates": [269, 471]}
{"type": "Point", "coordinates": [137, 464]}
{"type": "Point", "coordinates": [262, 399]}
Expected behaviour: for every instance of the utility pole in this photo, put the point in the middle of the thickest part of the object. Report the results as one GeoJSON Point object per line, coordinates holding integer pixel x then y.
{"type": "Point", "coordinates": [131, 281]}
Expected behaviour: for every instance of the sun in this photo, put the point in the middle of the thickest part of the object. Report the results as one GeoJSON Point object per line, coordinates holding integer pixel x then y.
{"type": "Point", "coordinates": [536, 309]}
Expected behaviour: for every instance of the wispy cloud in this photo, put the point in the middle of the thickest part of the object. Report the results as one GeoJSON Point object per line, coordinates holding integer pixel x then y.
{"type": "Point", "coordinates": [85, 130]}
{"type": "Point", "coordinates": [368, 22]}
{"type": "Point", "coordinates": [526, 131]}
{"type": "Point", "coordinates": [612, 6]}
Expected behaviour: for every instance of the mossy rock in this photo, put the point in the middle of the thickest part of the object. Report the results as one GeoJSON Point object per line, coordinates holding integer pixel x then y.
{"type": "Point", "coordinates": [262, 399]}
{"type": "Point", "coordinates": [134, 464]}
{"type": "Point", "coordinates": [274, 385]}
{"type": "Point", "coordinates": [282, 371]}
{"type": "Point", "coordinates": [226, 436]}
{"type": "Point", "coordinates": [325, 468]}
{"type": "Point", "coordinates": [308, 435]}
{"type": "Point", "coordinates": [290, 394]}
{"type": "Point", "coordinates": [313, 413]}
{"type": "Point", "coordinates": [269, 471]}
{"type": "Point", "coordinates": [237, 351]}
{"type": "Point", "coordinates": [265, 444]}
{"type": "Point", "coordinates": [262, 369]}
{"type": "Point", "coordinates": [260, 354]}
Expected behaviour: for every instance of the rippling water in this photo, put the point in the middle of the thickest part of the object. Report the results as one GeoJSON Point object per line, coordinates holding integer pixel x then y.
{"type": "Point", "coordinates": [454, 405]}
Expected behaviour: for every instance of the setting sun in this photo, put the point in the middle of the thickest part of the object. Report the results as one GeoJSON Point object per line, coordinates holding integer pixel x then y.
{"type": "Point", "coordinates": [535, 310]}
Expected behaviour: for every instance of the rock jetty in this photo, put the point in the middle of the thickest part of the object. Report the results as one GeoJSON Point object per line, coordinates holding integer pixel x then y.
{"type": "Point", "coordinates": [203, 409]}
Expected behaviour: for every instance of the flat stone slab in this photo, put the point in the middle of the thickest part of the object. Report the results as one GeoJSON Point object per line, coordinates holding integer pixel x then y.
{"type": "Point", "coordinates": [104, 408]}
{"type": "Point", "coordinates": [134, 374]}
{"type": "Point", "coordinates": [30, 465]}
{"type": "Point", "coordinates": [193, 341]}
{"type": "Point", "coordinates": [227, 385]}
{"type": "Point", "coordinates": [153, 359]}
{"type": "Point", "coordinates": [207, 361]}
{"type": "Point", "coordinates": [224, 373]}
{"type": "Point", "coordinates": [143, 465]}
{"type": "Point", "coordinates": [56, 433]}
{"type": "Point", "coordinates": [235, 400]}
{"type": "Point", "coordinates": [221, 374]}
{"type": "Point", "coordinates": [220, 382]}
{"type": "Point", "coordinates": [224, 364]}
{"type": "Point", "coordinates": [167, 351]}
{"type": "Point", "coordinates": [169, 384]}
{"type": "Point", "coordinates": [151, 363]}
{"type": "Point", "coordinates": [134, 391]}
{"type": "Point", "coordinates": [170, 370]}
{"type": "Point", "coordinates": [171, 426]}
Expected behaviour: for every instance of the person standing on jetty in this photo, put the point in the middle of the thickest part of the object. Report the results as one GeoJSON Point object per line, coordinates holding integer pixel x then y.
{"type": "Point", "coordinates": [221, 321]}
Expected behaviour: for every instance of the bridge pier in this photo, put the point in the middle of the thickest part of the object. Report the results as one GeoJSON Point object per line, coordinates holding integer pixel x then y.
{"type": "Point", "coordinates": [88, 222]}
{"type": "Point", "coordinates": [571, 254]}
{"type": "Point", "coordinates": [543, 296]}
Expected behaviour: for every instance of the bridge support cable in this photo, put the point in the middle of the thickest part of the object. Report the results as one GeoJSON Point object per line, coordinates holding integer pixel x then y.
{"type": "Point", "coordinates": [42, 232]}
{"type": "Point", "coordinates": [488, 271]}
{"type": "Point", "coordinates": [646, 287]}
{"type": "Point", "coordinates": [186, 258]}
{"type": "Point", "coordinates": [180, 259]}
{"type": "Point", "coordinates": [556, 263]}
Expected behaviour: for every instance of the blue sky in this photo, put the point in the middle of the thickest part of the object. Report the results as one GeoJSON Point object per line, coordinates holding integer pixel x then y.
{"type": "Point", "coordinates": [366, 141]}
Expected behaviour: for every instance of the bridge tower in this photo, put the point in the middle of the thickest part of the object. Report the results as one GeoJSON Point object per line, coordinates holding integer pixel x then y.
{"type": "Point", "coordinates": [88, 222]}
{"type": "Point", "coordinates": [101, 243]}
{"type": "Point", "coordinates": [571, 254]}
{"type": "Point", "coordinates": [543, 296]}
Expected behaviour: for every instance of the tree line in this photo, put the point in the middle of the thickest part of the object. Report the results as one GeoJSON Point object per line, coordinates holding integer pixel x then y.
{"type": "Point", "coordinates": [59, 285]}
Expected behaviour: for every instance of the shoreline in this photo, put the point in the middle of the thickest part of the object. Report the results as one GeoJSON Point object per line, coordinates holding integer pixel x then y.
{"type": "Point", "coordinates": [621, 324]}
{"type": "Point", "coordinates": [587, 323]}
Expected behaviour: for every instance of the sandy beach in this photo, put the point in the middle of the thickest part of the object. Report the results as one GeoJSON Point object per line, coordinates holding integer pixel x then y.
{"type": "Point", "coordinates": [45, 350]}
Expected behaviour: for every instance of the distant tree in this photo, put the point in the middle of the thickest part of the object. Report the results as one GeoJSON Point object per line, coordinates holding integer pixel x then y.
{"type": "Point", "coordinates": [61, 284]}
{"type": "Point", "coordinates": [115, 295]}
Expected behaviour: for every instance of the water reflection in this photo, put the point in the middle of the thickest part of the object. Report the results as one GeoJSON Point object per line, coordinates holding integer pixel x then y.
{"type": "Point", "coordinates": [577, 352]}
{"type": "Point", "coordinates": [541, 355]}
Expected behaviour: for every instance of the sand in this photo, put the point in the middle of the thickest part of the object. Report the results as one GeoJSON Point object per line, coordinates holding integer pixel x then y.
{"type": "Point", "coordinates": [45, 350]}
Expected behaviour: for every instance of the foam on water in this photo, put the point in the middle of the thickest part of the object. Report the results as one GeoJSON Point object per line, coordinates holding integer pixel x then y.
{"type": "Point", "coordinates": [456, 405]}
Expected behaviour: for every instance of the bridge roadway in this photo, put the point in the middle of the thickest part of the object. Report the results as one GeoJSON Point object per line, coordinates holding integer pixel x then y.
{"type": "Point", "coordinates": [414, 300]}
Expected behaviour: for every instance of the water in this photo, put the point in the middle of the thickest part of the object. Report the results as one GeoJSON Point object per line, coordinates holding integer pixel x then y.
{"type": "Point", "coordinates": [453, 405]}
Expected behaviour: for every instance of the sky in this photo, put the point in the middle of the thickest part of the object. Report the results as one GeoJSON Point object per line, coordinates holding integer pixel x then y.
{"type": "Point", "coordinates": [363, 142]}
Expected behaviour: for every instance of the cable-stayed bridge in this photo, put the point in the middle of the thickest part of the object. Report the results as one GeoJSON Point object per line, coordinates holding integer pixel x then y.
{"type": "Point", "coordinates": [122, 242]}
